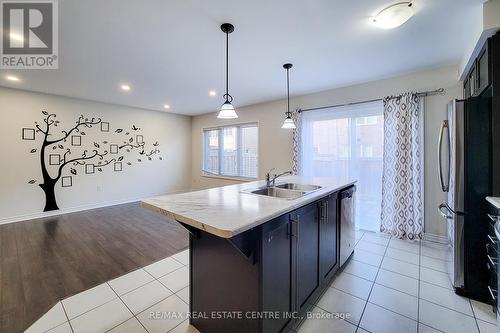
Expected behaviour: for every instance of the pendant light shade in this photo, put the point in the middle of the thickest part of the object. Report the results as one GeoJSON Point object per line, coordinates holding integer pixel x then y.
{"type": "Point", "coordinates": [288, 123]}
{"type": "Point", "coordinates": [227, 109]}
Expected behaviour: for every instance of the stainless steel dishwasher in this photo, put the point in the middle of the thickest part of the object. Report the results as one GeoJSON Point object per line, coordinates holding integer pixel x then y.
{"type": "Point", "coordinates": [347, 231]}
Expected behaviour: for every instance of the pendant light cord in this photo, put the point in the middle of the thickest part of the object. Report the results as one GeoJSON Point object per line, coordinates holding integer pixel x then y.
{"type": "Point", "coordinates": [227, 66]}
{"type": "Point", "coordinates": [288, 90]}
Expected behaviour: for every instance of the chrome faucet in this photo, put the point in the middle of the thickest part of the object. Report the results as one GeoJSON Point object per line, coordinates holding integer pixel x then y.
{"type": "Point", "coordinates": [271, 180]}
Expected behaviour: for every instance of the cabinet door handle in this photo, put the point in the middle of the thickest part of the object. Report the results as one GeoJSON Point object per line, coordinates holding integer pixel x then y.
{"type": "Point", "coordinates": [298, 227]}
{"type": "Point", "coordinates": [326, 213]}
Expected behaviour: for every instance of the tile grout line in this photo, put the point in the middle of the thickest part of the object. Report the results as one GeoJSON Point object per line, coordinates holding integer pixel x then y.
{"type": "Point", "coordinates": [371, 289]}
{"type": "Point", "coordinates": [133, 315]}
{"type": "Point", "coordinates": [66, 314]}
{"type": "Point", "coordinates": [474, 314]}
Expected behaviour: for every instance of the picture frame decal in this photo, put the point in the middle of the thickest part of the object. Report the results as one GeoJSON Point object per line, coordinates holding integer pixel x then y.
{"type": "Point", "coordinates": [76, 140]}
{"type": "Point", "coordinates": [67, 181]}
{"type": "Point", "coordinates": [118, 166]}
{"type": "Point", "coordinates": [89, 169]}
{"type": "Point", "coordinates": [54, 159]}
{"type": "Point", "coordinates": [113, 149]}
{"type": "Point", "coordinates": [104, 126]}
{"type": "Point", "coordinates": [28, 134]}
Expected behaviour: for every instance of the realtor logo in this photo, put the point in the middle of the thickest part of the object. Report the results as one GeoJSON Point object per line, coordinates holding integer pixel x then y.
{"type": "Point", "coordinates": [29, 34]}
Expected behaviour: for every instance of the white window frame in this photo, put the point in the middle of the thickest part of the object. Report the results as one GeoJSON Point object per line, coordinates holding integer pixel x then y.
{"type": "Point", "coordinates": [219, 173]}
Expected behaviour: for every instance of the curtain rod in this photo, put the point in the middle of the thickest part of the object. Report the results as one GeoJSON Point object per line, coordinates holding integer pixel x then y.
{"type": "Point", "coordinates": [439, 91]}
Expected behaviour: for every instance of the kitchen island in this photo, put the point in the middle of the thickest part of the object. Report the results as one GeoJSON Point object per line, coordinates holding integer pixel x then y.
{"type": "Point", "coordinates": [257, 262]}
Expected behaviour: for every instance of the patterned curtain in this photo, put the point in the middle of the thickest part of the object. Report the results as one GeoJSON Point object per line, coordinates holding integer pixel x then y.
{"type": "Point", "coordinates": [297, 118]}
{"type": "Point", "coordinates": [402, 179]}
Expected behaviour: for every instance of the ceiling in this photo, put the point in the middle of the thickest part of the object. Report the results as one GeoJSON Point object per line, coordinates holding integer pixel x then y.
{"type": "Point", "coordinates": [172, 52]}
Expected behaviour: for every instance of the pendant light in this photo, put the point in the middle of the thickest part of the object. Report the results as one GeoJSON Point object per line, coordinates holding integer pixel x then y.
{"type": "Point", "coordinates": [227, 109]}
{"type": "Point", "coordinates": [288, 123]}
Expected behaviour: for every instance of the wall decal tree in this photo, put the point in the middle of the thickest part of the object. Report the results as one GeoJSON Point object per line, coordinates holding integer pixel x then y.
{"type": "Point", "coordinates": [64, 145]}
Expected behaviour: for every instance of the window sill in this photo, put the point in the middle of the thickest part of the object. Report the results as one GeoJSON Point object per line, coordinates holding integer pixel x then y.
{"type": "Point", "coordinates": [239, 179]}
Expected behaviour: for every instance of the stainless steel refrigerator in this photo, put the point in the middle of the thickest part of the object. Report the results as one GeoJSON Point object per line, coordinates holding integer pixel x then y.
{"type": "Point", "coordinates": [464, 164]}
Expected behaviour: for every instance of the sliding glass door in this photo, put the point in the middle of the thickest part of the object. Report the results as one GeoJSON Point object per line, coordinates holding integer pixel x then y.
{"type": "Point", "coordinates": [347, 143]}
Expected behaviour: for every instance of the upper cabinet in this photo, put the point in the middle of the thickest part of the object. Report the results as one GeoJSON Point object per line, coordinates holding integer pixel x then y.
{"type": "Point", "coordinates": [479, 77]}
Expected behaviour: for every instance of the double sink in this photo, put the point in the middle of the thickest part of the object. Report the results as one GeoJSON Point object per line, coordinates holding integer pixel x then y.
{"type": "Point", "coordinates": [285, 191]}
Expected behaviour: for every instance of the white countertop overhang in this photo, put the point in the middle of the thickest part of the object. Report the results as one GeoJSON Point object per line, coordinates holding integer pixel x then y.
{"type": "Point", "coordinates": [228, 211]}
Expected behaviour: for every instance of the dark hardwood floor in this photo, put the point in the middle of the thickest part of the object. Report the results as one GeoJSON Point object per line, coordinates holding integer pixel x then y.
{"type": "Point", "coordinates": [45, 260]}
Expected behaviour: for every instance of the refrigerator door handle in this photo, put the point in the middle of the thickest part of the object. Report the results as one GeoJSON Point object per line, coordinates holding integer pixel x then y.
{"type": "Point", "coordinates": [444, 125]}
{"type": "Point", "coordinates": [445, 214]}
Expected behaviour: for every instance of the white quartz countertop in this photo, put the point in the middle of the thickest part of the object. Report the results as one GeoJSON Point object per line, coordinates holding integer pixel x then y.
{"type": "Point", "coordinates": [228, 211]}
{"type": "Point", "coordinates": [495, 201]}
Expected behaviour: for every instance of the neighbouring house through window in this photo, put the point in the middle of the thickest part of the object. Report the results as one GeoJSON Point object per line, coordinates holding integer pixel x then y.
{"type": "Point", "coordinates": [347, 143]}
{"type": "Point", "coordinates": [231, 151]}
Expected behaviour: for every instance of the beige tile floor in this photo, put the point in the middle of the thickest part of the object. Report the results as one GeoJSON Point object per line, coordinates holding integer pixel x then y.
{"type": "Point", "coordinates": [388, 286]}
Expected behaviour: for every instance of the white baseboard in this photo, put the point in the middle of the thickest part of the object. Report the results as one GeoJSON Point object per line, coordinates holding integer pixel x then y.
{"type": "Point", "coordinates": [435, 238]}
{"type": "Point", "coordinates": [32, 216]}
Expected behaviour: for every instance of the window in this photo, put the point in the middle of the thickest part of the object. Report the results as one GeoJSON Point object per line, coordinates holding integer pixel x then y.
{"type": "Point", "coordinates": [348, 143]}
{"type": "Point", "coordinates": [372, 120]}
{"type": "Point", "coordinates": [231, 151]}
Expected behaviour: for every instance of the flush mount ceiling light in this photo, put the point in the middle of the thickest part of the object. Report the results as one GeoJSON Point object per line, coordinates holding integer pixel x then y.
{"type": "Point", "coordinates": [288, 123]}
{"type": "Point", "coordinates": [166, 106]}
{"type": "Point", "coordinates": [227, 109]}
{"type": "Point", "coordinates": [212, 93]}
{"type": "Point", "coordinates": [394, 15]}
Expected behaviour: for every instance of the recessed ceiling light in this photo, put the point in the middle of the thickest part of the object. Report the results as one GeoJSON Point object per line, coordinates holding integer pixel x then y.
{"type": "Point", "coordinates": [125, 87]}
{"type": "Point", "coordinates": [212, 93]}
{"type": "Point", "coordinates": [166, 106]}
{"type": "Point", "coordinates": [12, 78]}
{"type": "Point", "coordinates": [394, 15]}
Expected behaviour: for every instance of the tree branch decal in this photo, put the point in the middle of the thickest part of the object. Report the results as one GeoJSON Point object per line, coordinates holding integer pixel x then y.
{"type": "Point", "coordinates": [77, 157]}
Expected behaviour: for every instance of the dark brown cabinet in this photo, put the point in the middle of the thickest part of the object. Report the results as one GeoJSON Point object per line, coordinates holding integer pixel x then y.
{"type": "Point", "coordinates": [277, 272]}
{"type": "Point", "coordinates": [328, 239]}
{"type": "Point", "coordinates": [307, 221]}
{"type": "Point", "coordinates": [479, 77]}
{"type": "Point", "coordinates": [280, 267]}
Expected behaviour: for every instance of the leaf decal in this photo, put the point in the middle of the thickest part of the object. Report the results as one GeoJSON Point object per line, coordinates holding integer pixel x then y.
{"type": "Point", "coordinates": [128, 163]}
{"type": "Point", "coordinates": [161, 158]}
{"type": "Point", "coordinates": [99, 169]}
{"type": "Point", "coordinates": [105, 142]}
{"type": "Point", "coordinates": [120, 158]}
{"type": "Point", "coordinates": [139, 160]}
{"type": "Point", "coordinates": [73, 171]}
{"type": "Point", "coordinates": [45, 112]}
{"type": "Point", "coordinates": [61, 147]}
{"type": "Point", "coordinates": [141, 152]}
{"type": "Point", "coordinates": [32, 181]}
{"type": "Point", "coordinates": [155, 144]}
{"type": "Point", "coordinates": [82, 133]}
{"type": "Point", "coordinates": [54, 147]}
{"type": "Point", "coordinates": [96, 145]}
{"type": "Point", "coordinates": [149, 158]}
{"type": "Point", "coordinates": [33, 150]}
{"type": "Point", "coordinates": [127, 133]}
{"type": "Point", "coordinates": [119, 130]}
{"type": "Point", "coordinates": [131, 140]}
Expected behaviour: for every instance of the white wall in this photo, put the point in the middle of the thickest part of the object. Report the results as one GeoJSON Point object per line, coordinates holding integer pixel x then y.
{"type": "Point", "coordinates": [19, 109]}
{"type": "Point", "coordinates": [275, 144]}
